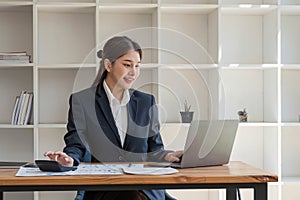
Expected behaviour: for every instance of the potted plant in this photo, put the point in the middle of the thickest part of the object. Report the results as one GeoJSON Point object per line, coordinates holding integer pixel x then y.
{"type": "Point", "coordinates": [243, 115]}
{"type": "Point", "coordinates": [186, 115]}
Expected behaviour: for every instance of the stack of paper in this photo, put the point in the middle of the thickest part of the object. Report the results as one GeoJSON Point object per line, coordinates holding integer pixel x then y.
{"type": "Point", "coordinates": [14, 57]}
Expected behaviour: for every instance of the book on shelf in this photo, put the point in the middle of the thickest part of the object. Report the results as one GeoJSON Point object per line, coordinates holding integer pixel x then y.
{"type": "Point", "coordinates": [22, 108]}
{"type": "Point", "coordinates": [14, 57]}
{"type": "Point", "coordinates": [13, 119]}
{"type": "Point", "coordinates": [18, 108]}
{"type": "Point", "coordinates": [15, 53]}
{"type": "Point", "coordinates": [29, 109]}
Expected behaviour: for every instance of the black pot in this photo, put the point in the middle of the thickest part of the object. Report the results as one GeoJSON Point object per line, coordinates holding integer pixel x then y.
{"type": "Point", "coordinates": [186, 117]}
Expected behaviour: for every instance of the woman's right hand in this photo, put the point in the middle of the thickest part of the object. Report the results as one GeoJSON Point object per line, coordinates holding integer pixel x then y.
{"type": "Point", "coordinates": [60, 157]}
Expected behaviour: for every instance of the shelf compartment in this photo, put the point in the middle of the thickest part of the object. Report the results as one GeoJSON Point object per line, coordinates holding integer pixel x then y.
{"type": "Point", "coordinates": [64, 7]}
{"type": "Point", "coordinates": [188, 35]}
{"type": "Point", "coordinates": [291, 179]}
{"type": "Point", "coordinates": [194, 85]}
{"type": "Point", "coordinates": [250, 34]}
{"type": "Point", "coordinates": [189, 66]}
{"type": "Point", "coordinates": [290, 95]}
{"type": "Point", "coordinates": [50, 139]}
{"type": "Point", "coordinates": [59, 32]}
{"type": "Point", "coordinates": [129, 1]}
{"type": "Point", "coordinates": [127, 8]}
{"type": "Point", "coordinates": [163, 2]}
{"type": "Point", "coordinates": [67, 66]}
{"type": "Point", "coordinates": [67, 1]}
{"type": "Point", "coordinates": [290, 42]}
{"type": "Point", "coordinates": [174, 135]}
{"type": "Point", "coordinates": [55, 87]}
{"type": "Point", "coordinates": [290, 2]}
{"type": "Point", "coordinates": [10, 5]}
{"type": "Point", "coordinates": [250, 2]}
{"type": "Point", "coordinates": [246, 9]}
{"type": "Point", "coordinates": [290, 190]}
{"type": "Point", "coordinates": [147, 81]}
{"type": "Point", "coordinates": [253, 124]}
{"type": "Point", "coordinates": [188, 9]}
{"type": "Point", "coordinates": [263, 142]}
{"type": "Point", "coordinates": [12, 82]}
{"type": "Point", "coordinates": [18, 141]}
{"type": "Point", "coordinates": [253, 89]}
{"type": "Point", "coordinates": [248, 66]}
{"type": "Point", "coordinates": [57, 195]}
{"type": "Point", "coordinates": [141, 26]}
{"type": "Point", "coordinates": [290, 66]}
{"type": "Point", "coordinates": [16, 126]}
{"type": "Point", "coordinates": [273, 191]}
{"type": "Point", "coordinates": [291, 124]}
{"type": "Point", "coordinates": [15, 65]}
{"type": "Point", "coordinates": [52, 126]}
{"type": "Point", "coordinates": [290, 151]}
{"type": "Point", "coordinates": [17, 35]}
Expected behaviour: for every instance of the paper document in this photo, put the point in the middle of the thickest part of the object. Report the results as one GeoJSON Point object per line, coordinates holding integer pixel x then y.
{"type": "Point", "coordinates": [82, 169]}
{"type": "Point", "coordinates": [149, 170]}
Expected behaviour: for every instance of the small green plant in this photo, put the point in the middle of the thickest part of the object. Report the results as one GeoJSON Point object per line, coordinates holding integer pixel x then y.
{"type": "Point", "coordinates": [187, 107]}
{"type": "Point", "coordinates": [186, 115]}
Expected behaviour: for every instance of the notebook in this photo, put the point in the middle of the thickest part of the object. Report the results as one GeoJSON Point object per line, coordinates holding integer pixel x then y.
{"type": "Point", "coordinates": [208, 143]}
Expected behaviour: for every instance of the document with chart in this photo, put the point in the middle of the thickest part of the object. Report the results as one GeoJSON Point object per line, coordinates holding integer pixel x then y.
{"type": "Point", "coordinates": [99, 169]}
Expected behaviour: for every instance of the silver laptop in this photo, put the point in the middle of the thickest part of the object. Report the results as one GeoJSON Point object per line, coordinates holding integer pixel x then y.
{"type": "Point", "coordinates": [208, 143]}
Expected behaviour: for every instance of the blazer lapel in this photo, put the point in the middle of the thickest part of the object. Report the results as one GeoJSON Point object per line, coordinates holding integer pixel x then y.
{"type": "Point", "coordinates": [105, 111]}
{"type": "Point", "coordinates": [132, 107]}
{"type": "Point", "coordinates": [132, 114]}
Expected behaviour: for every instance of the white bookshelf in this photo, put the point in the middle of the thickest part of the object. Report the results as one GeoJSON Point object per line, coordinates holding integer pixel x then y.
{"type": "Point", "coordinates": [220, 55]}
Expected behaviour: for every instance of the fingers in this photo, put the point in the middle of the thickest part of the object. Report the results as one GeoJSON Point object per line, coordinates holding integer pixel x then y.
{"type": "Point", "coordinates": [55, 155]}
{"type": "Point", "coordinates": [60, 157]}
{"type": "Point", "coordinates": [174, 156]}
{"type": "Point", "coordinates": [178, 153]}
{"type": "Point", "coordinates": [51, 155]}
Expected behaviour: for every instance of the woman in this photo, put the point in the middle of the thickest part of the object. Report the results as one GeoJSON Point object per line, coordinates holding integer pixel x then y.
{"type": "Point", "coordinates": [112, 122]}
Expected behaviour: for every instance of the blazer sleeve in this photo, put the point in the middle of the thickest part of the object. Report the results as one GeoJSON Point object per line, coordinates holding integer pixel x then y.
{"type": "Point", "coordinates": [75, 127]}
{"type": "Point", "coordinates": [156, 150]}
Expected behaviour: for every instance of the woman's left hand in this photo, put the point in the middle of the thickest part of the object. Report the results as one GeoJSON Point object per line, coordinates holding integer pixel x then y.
{"type": "Point", "coordinates": [174, 156]}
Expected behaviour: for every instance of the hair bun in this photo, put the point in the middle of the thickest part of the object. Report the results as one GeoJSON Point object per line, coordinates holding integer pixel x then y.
{"type": "Point", "coordinates": [100, 53]}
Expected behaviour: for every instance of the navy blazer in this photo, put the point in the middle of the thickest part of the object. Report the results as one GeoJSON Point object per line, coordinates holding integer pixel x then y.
{"type": "Point", "coordinates": [91, 128]}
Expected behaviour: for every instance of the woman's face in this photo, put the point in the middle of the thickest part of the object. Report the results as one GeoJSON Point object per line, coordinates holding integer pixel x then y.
{"type": "Point", "coordinates": [124, 71]}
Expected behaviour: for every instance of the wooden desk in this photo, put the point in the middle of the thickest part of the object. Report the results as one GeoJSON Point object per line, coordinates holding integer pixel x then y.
{"type": "Point", "coordinates": [232, 176]}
